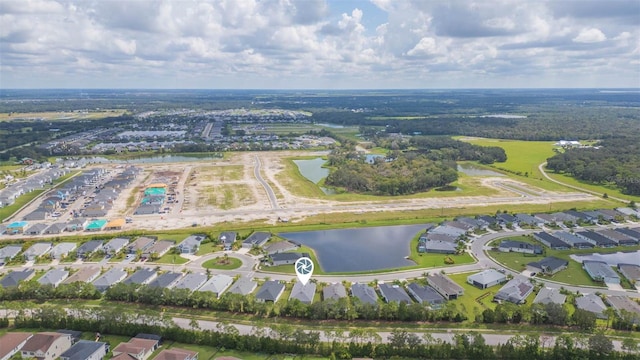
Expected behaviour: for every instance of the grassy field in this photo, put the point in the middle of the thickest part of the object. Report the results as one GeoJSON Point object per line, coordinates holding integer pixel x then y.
{"type": "Point", "coordinates": [219, 263]}
{"type": "Point", "coordinates": [225, 196]}
{"type": "Point", "coordinates": [474, 297]}
{"type": "Point", "coordinates": [21, 201]}
{"type": "Point", "coordinates": [170, 258]}
{"type": "Point", "coordinates": [61, 115]}
{"type": "Point", "coordinates": [600, 189]}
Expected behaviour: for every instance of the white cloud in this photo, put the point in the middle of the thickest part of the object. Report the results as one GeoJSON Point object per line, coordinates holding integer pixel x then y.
{"type": "Point", "coordinates": [588, 36]}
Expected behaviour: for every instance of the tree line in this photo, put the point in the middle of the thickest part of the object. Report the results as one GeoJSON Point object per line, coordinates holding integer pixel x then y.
{"type": "Point", "coordinates": [286, 339]}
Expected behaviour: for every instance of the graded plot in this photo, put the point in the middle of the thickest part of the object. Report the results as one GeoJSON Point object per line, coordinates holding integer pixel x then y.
{"type": "Point", "coordinates": [225, 196]}
{"type": "Point", "coordinates": [218, 173]}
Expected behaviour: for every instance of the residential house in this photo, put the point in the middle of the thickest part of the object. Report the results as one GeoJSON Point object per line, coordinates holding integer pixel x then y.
{"type": "Point", "coordinates": [427, 236]}
{"type": "Point", "coordinates": [17, 227]}
{"type": "Point", "coordinates": [515, 290]}
{"type": "Point", "coordinates": [54, 277]}
{"type": "Point", "coordinates": [564, 217]}
{"type": "Point", "coordinates": [519, 246]}
{"type": "Point", "coordinates": [46, 346]}
{"type": "Point", "coordinates": [218, 284]}
{"type": "Point", "coordinates": [487, 220]}
{"type": "Point", "coordinates": [36, 250]}
{"type": "Point", "coordinates": [244, 286]}
{"type": "Point", "coordinates": [9, 252]}
{"type": "Point", "coordinates": [551, 241]}
{"type": "Point", "coordinates": [191, 244]}
{"type": "Point", "coordinates": [147, 210]}
{"type": "Point", "coordinates": [609, 215]}
{"type": "Point", "coordinates": [451, 231]}
{"type": "Point", "coordinates": [141, 277]}
{"type": "Point", "coordinates": [426, 294]}
{"type": "Point", "coordinates": [619, 303]}
{"type": "Point", "coordinates": [270, 291]}
{"type": "Point", "coordinates": [391, 292]}
{"type": "Point", "coordinates": [141, 244]}
{"type": "Point", "coordinates": [76, 225]}
{"type": "Point", "coordinates": [14, 278]}
{"type": "Point", "coordinates": [280, 247]}
{"type": "Point", "coordinates": [625, 211]}
{"type": "Point", "coordinates": [631, 272]}
{"type": "Point", "coordinates": [545, 219]}
{"type": "Point", "coordinates": [526, 219]}
{"type": "Point", "coordinates": [88, 248]}
{"type": "Point", "coordinates": [303, 292]}
{"type": "Point", "coordinates": [136, 348]}
{"type": "Point", "coordinates": [86, 350]}
{"type": "Point", "coordinates": [445, 286]}
{"type": "Point", "coordinates": [109, 278]}
{"type": "Point", "coordinates": [583, 217]}
{"type": "Point", "coordinates": [619, 237]}
{"type": "Point", "coordinates": [573, 240]}
{"type": "Point", "coordinates": [364, 293]}
{"type": "Point", "coordinates": [601, 271]}
{"type": "Point", "coordinates": [115, 245]}
{"type": "Point", "coordinates": [334, 291]}
{"type": "Point", "coordinates": [227, 239]}
{"type": "Point", "coordinates": [596, 239]}
{"type": "Point", "coordinates": [550, 295]}
{"type": "Point", "coordinates": [55, 228]}
{"type": "Point", "coordinates": [486, 279]}
{"type": "Point", "coordinates": [158, 249]}
{"type": "Point", "coordinates": [548, 266]}
{"type": "Point", "coordinates": [258, 238]}
{"type": "Point", "coordinates": [632, 233]}
{"type": "Point", "coordinates": [176, 354]}
{"type": "Point", "coordinates": [437, 246]}
{"type": "Point", "coordinates": [505, 219]}
{"type": "Point", "coordinates": [36, 229]}
{"type": "Point", "coordinates": [11, 343]}
{"type": "Point", "coordinates": [86, 274]}
{"type": "Point", "coordinates": [166, 280]}
{"type": "Point", "coordinates": [191, 281]}
{"type": "Point", "coordinates": [286, 258]}
{"type": "Point", "coordinates": [592, 303]}
{"type": "Point", "coordinates": [36, 215]}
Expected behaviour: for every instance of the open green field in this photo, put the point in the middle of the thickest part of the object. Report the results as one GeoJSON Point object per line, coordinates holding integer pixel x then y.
{"type": "Point", "coordinates": [221, 263]}
{"type": "Point", "coordinates": [597, 188]}
{"type": "Point", "coordinates": [170, 258]}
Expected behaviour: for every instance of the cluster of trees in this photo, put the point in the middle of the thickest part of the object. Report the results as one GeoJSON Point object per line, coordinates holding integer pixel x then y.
{"type": "Point", "coordinates": [446, 148]}
{"type": "Point", "coordinates": [281, 339]}
{"type": "Point", "coordinates": [614, 161]}
{"type": "Point", "coordinates": [33, 290]}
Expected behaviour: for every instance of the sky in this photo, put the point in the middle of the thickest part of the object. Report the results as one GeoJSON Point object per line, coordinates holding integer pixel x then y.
{"type": "Point", "coordinates": [319, 44]}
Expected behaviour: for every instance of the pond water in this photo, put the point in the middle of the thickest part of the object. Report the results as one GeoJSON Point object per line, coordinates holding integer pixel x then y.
{"type": "Point", "coordinates": [312, 169]}
{"type": "Point", "coordinates": [472, 170]}
{"type": "Point", "coordinates": [153, 159]}
{"type": "Point", "coordinates": [363, 249]}
{"type": "Point", "coordinates": [613, 259]}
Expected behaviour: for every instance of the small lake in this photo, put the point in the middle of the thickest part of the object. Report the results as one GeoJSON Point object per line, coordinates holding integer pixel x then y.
{"type": "Point", "coordinates": [312, 169]}
{"type": "Point", "coordinates": [613, 259]}
{"type": "Point", "coordinates": [472, 170]}
{"type": "Point", "coordinates": [153, 159]}
{"type": "Point", "coordinates": [362, 249]}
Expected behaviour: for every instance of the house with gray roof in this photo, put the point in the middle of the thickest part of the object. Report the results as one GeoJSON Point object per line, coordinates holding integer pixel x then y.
{"type": "Point", "coordinates": [445, 286]}
{"type": "Point", "coordinates": [601, 271]}
{"type": "Point", "coordinates": [519, 246]}
{"type": "Point", "coordinates": [36, 229]}
{"type": "Point", "coordinates": [426, 294]}
{"type": "Point", "coordinates": [515, 290]}
{"type": "Point", "coordinates": [474, 223]}
{"type": "Point", "coordinates": [86, 274]}
{"type": "Point", "coordinates": [427, 236]}
{"type": "Point", "coordinates": [36, 215]}
{"type": "Point", "coordinates": [258, 238]}
{"type": "Point", "coordinates": [550, 295]}
{"type": "Point", "coordinates": [506, 218]}
{"type": "Point", "coordinates": [141, 277]}
{"type": "Point", "coordinates": [159, 249]}
{"type": "Point", "coordinates": [626, 211]}
{"type": "Point", "coordinates": [437, 247]}
{"type": "Point", "coordinates": [141, 244]}
{"type": "Point", "coordinates": [62, 249]}
{"type": "Point", "coordinates": [448, 230]}
{"type": "Point", "coordinates": [270, 291]}
{"type": "Point", "coordinates": [596, 239]}
{"type": "Point", "coordinates": [631, 272]}
{"type": "Point", "coordinates": [632, 233]}
{"type": "Point", "coordinates": [88, 248]}
{"type": "Point", "coordinates": [244, 286]}
{"type": "Point", "coordinates": [545, 219]}
{"type": "Point", "coordinates": [36, 250]}
{"type": "Point", "coordinates": [280, 247]}
{"type": "Point", "coordinates": [218, 284]}
{"type": "Point", "coordinates": [286, 258]}
{"type": "Point", "coordinates": [55, 228]}
{"type": "Point", "coordinates": [551, 241]}
{"type": "Point", "coordinates": [619, 237]}
{"type": "Point", "coordinates": [15, 277]}
{"type": "Point", "coordinates": [115, 245]}
{"type": "Point", "coordinates": [619, 303]}
{"type": "Point", "coordinates": [53, 277]}
{"type": "Point", "coordinates": [391, 292]}
{"type": "Point", "coordinates": [564, 217]}
{"type": "Point", "coordinates": [109, 278]}
{"type": "Point", "coordinates": [76, 224]}
{"type": "Point", "coordinates": [166, 280]}
{"type": "Point", "coordinates": [548, 266]}
{"type": "Point", "coordinates": [592, 303]}
{"type": "Point", "coordinates": [303, 293]}
{"type": "Point", "coordinates": [573, 240]}
{"type": "Point", "coordinates": [486, 279]}
{"type": "Point", "coordinates": [85, 350]}
{"type": "Point", "coordinates": [526, 219]}
{"type": "Point", "coordinates": [334, 291]}
{"type": "Point", "coordinates": [191, 281]}
{"type": "Point", "coordinates": [9, 252]}
{"type": "Point", "coordinates": [365, 293]}
{"type": "Point", "coordinates": [191, 244]}
{"type": "Point", "coordinates": [227, 239]}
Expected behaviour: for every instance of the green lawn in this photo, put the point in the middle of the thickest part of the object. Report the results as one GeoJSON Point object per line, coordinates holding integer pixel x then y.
{"type": "Point", "coordinates": [206, 248]}
{"type": "Point", "coordinates": [21, 201]}
{"type": "Point", "coordinates": [474, 297]}
{"type": "Point", "coordinates": [171, 258]}
{"type": "Point", "coordinates": [218, 263]}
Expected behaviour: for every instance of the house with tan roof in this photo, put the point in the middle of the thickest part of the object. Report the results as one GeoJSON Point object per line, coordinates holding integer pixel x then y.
{"type": "Point", "coordinates": [177, 354]}
{"type": "Point", "coordinates": [136, 348]}
{"type": "Point", "coordinates": [85, 274]}
{"type": "Point", "coordinates": [11, 343]}
{"type": "Point", "coordinates": [46, 346]}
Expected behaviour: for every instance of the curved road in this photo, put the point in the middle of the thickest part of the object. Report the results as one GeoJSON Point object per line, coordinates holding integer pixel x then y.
{"type": "Point", "coordinates": [265, 185]}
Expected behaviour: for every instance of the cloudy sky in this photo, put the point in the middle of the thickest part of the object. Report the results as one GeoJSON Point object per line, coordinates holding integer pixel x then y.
{"type": "Point", "coordinates": [319, 43]}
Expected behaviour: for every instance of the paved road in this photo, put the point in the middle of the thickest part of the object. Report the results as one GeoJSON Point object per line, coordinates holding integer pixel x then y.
{"type": "Point", "coordinates": [265, 185]}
